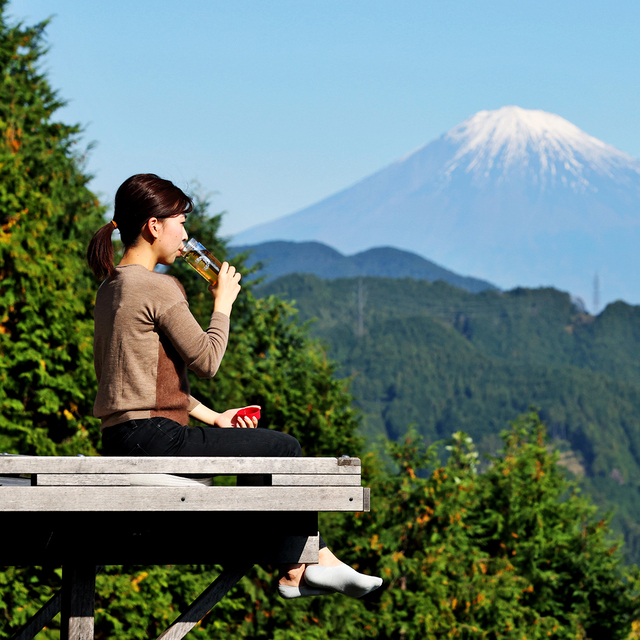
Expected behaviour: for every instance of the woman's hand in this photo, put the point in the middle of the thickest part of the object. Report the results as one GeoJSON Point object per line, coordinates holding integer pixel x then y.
{"type": "Point", "coordinates": [226, 289]}
{"type": "Point", "coordinates": [231, 419]}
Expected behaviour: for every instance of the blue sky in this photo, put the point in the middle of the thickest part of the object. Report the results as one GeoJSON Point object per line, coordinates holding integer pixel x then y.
{"type": "Point", "coordinates": [277, 104]}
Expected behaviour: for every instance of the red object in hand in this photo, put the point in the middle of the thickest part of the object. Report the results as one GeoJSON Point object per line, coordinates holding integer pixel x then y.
{"type": "Point", "coordinates": [249, 412]}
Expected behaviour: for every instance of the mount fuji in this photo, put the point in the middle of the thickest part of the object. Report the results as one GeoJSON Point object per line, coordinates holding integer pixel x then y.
{"type": "Point", "coordinates": [514, 196]}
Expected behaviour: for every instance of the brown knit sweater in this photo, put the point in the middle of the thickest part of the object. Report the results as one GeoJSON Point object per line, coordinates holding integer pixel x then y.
{"type": "Point", "coordinates": [145, 339]}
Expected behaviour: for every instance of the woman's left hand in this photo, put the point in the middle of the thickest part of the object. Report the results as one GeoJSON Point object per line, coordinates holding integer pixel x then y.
{"type": "Point", "coordinates": [231, 419]}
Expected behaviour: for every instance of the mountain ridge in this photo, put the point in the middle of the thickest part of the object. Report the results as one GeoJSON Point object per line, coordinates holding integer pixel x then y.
{"type": "Point", "coordinates": [281, 258]}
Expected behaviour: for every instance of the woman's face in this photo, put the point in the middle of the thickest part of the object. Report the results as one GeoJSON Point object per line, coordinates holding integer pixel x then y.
{"type": "Point", "coordinates": [170, 239]}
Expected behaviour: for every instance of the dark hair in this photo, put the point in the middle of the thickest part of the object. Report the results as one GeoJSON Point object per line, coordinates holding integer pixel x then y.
{"type": "Point", "coordinates": [139, 198]}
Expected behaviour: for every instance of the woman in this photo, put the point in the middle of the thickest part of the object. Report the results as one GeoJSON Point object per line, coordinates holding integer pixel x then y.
{"type": "Point", "coordinates": [146, 339]}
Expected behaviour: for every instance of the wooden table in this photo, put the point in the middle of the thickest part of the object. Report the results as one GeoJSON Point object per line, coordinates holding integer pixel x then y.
{"type": "Point", "coordinates": [84, 512]}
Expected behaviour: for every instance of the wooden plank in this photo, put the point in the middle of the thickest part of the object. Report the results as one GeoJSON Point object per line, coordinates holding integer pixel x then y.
{"type": "Point", "coordinates": [15, 499]}
{"type": "Point", "coordinates": [83, 479]}
{"type": "Point", "coordinates": [367, 499]}
{"type": "Point", "coordinates": [310, 479]}
{"type": "Point", "coordinates": [208, 466]}
{"type": "Point", "coordinates": [205, 602]}
{"type": "Point", "coordinates": [78, 602]}
{"type": "Point", "coordinates": [119, 480]}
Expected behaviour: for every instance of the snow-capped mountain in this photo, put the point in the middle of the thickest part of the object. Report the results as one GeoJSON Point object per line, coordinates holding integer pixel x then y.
{"type": "Point", "coordinates": [544, 146]}
{"type": "Point", "coordinates": [514, 196]}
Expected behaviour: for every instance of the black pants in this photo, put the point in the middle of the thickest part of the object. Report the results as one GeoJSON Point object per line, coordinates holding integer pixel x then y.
{"type": "Point", "coordinates": [164, 437]}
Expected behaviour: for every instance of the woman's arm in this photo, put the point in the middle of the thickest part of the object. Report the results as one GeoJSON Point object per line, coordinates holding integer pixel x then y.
{"type": "Point", "coordinates": [202, 351]}
{"type": "Point", "coordinates": [227, 419]}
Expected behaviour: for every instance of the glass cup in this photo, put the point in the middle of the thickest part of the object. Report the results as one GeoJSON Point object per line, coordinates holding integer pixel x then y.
{"type": "Point", "coordinates": [204, 262]}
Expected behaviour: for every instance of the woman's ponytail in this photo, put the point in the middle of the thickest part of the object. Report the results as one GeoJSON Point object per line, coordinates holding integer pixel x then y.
{"type": "Point", "coordinates": [100, 252]}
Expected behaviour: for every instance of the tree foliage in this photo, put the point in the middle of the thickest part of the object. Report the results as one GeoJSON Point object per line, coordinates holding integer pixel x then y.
{"type": "Point", "coordinates": [46, 217]}
{"type": "Point", "coordinates": [511, 552]}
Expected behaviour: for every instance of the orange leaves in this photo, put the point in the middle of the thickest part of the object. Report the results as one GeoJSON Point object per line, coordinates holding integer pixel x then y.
{"type": "Point", "coordinates": [635, 630]}
{"type": "Point", "coordinates": [424, 518]}
{"type": "Point", "coordinates": [376, 545]}
{"type": "Point", "coordinates": [135, 583]}
{"type": "Point", "coordinates": [12, 136]}
{"type": "Point", "coordinates": [397, 556]}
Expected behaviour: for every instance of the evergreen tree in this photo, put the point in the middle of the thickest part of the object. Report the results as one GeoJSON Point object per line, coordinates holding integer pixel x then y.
{"type": "Point", "coordinates": [513, 552]}
{"type": "Point", "coordinates": [47, 383]}
{"type": "Point", "coordinates": [47, 215]}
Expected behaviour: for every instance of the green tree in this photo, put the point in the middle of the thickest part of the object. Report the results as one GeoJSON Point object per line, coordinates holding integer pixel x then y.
{"type": "Point", "coordinates": [513, 552]}
{"type": "Point", "coordinates": [47, 214]}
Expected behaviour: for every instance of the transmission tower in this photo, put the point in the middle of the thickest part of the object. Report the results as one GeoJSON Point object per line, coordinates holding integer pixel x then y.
{"type": "Point", "coordinates": [361, 299]}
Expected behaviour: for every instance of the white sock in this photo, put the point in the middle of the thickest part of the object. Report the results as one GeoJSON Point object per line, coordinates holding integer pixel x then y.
{"type": "Point", "coordinates": [341, 578]}
{"type": "Point", "coordinates": [302, 591]}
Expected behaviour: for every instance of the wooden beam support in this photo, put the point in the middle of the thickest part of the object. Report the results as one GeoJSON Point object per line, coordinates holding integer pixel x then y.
{"type": "Point", "coordinates": [312, 480]}
{"type": "Point", "coordinates": [78, 602]}
{"type": "Point", "coordinates": [40, 620]}
{"type": "Point", "coordinates": [205, 602]}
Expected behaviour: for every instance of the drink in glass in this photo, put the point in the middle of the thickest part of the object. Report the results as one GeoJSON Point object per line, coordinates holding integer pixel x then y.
{"type": "Point", "coordinates": [204, 262]}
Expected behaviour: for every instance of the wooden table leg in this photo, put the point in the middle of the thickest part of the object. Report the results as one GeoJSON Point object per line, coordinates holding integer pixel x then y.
{"type": "Point", "coordinates": [78, 602]}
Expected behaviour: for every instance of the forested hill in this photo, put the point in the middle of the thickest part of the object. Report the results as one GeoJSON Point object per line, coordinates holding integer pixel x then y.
{"type": "Point", "coordinates": [445, 360]}
{"type": "Point", "coordinates": [281, 258]}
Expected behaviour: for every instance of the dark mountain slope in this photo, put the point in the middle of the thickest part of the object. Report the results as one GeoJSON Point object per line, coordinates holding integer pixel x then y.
{"type": "Point", "coordinates": [282, 258]}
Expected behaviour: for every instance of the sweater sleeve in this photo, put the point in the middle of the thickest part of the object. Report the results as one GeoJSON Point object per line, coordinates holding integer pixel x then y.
{"type": "Point", "coordinates": [202, 351]}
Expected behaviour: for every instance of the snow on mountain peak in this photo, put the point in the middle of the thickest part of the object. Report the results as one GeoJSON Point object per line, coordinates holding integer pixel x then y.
{"type": "Point", "coordinates": [541, 143]}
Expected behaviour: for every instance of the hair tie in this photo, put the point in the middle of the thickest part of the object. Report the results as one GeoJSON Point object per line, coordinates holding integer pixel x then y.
{"type": "Point", "coordinates": [113, 222]}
